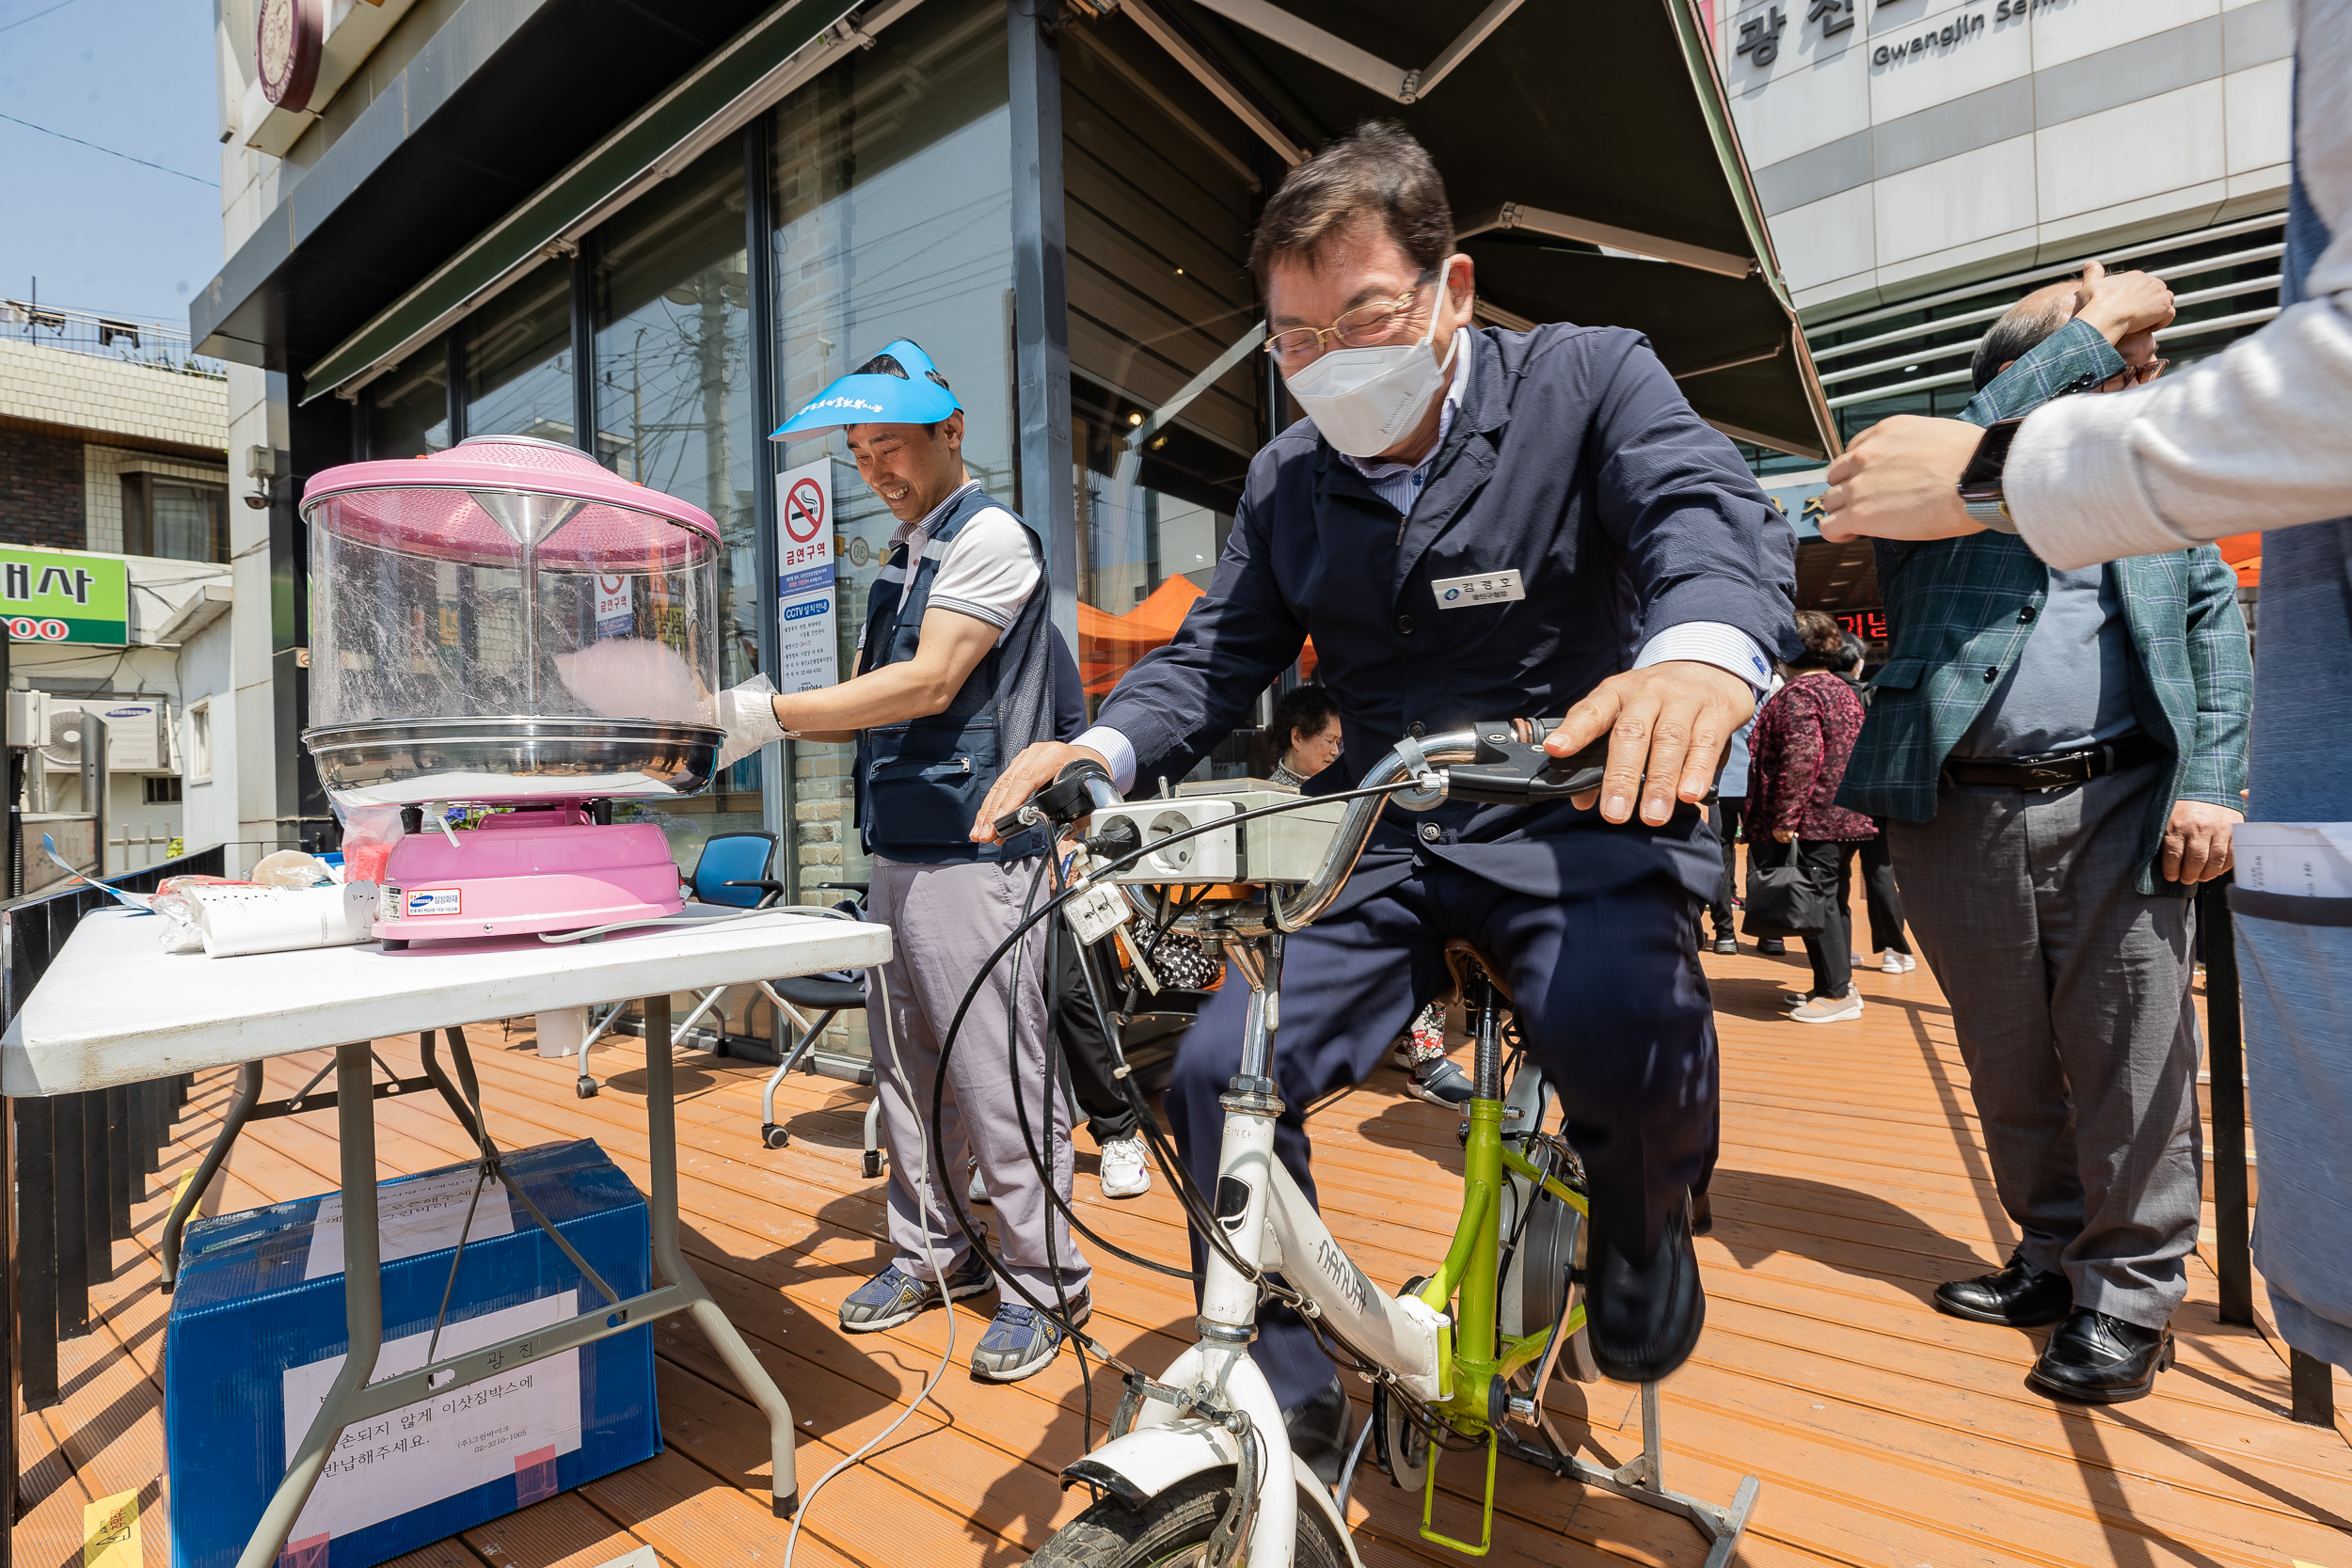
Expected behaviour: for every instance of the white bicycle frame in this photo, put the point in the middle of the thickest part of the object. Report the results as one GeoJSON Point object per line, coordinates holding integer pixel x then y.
{"type": "Point", "coordinates": [1271, 1226]}
{"type": "Point", "coordinates": [1212, 1410]}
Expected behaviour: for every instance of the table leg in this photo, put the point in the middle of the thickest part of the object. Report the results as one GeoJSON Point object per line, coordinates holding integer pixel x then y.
{"type": "Point", "coordinates": [661, 1126]}
{"type": "Point", "coordinates": [240, 1111]}
{"type": "Point", "coordinates": [363, 1305]}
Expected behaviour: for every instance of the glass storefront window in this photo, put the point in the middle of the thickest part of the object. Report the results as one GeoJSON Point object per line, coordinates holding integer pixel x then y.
{"type": "Point", "coordinates": [1152, 518]}
{"type": "Point", "coordinates": [1158, 205]}
{"type": "Point", "coordinates": [893, 219]}
{"type": "Point", "coordinates": [674, 412]}
{"type": "Point", "coordinates": [519, 359]}
{"type": "Point", "coordinates": [408, 405]}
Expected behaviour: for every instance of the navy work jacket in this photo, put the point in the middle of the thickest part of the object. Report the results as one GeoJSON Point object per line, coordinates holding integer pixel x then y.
{"type": "Point", "coordinates": [1572, 459]}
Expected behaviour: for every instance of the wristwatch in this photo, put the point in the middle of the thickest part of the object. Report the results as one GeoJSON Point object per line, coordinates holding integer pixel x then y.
{"type": "Point", "coordinates": [1980, 492]}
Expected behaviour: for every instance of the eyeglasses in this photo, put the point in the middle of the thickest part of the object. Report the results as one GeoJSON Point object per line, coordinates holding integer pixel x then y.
{"type": "Point", "coordinates": [2135, 375]}
{"type": "Point", "coordinates": [1366, 326]}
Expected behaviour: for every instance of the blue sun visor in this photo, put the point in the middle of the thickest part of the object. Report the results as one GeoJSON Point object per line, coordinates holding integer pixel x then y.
{"type": "Point", "coordinates": [898, 386]}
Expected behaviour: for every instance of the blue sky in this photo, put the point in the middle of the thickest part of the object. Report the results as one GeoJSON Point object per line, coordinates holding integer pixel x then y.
{"type": "Point", "coordinates": [102, 233]}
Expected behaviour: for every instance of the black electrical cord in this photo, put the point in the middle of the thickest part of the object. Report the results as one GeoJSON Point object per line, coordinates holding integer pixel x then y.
{"type": "Point", "coordinates": [1188, 1193]}
{"type": "Point", "coordinates": [1038, 1160]}
{"type": "Point", "coordinates": [1196, 1211]}
{"type": "Point", "coordinates": [1050, 1059]}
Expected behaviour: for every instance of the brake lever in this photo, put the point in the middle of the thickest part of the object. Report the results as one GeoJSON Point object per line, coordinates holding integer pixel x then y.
{"type": "Point", "coordinates": [1508, 771]}
{"type": "Point", "coordinates": [1062, 802]}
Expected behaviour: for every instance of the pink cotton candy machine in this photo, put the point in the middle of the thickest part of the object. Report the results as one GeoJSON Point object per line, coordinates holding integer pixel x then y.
{"type": "Point", "coordinates": [509, 623]}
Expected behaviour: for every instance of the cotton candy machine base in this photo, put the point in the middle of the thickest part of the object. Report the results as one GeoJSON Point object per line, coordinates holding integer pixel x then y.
{"type": "Point", "coordinates": [522, 872]}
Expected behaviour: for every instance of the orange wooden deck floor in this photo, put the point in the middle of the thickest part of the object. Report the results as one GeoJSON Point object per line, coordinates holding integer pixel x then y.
{"type": "Point", "coordinates": [1852, 1181]}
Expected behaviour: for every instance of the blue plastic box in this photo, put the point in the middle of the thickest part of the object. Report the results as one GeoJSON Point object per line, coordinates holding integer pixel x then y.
{"type": "Point", "coordinates": [256, 1323]}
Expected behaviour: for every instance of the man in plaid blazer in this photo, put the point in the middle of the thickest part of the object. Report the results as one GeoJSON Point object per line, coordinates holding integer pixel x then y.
{"type": "Point", "coordinates": [2061, 755]}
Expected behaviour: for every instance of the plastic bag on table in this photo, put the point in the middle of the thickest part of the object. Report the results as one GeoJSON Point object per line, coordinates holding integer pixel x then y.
{"type": "Point", "coordinates": [290, 869]}
{"type": "Point", "coordinates": [175, 901]}
{"type": "Point", "coordinates": [369, 835]}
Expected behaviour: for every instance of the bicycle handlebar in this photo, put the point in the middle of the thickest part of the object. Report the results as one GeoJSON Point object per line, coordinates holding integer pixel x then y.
{"type": "Point", "coordinates": [1487, 763]}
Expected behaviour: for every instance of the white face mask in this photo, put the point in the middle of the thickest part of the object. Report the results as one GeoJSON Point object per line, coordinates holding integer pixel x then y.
{"type": "Point", "coordinates": [1367, 399]}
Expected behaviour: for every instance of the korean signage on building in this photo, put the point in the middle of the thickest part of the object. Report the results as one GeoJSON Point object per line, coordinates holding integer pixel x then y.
{"type": "Point", "coordinates": [807, 651]}
{"type": "Point", "coordinates": [53, 596]}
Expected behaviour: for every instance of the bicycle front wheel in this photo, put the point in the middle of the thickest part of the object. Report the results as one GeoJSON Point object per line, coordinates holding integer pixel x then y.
{"type": "Point", "coordinates": [1173, 1530]}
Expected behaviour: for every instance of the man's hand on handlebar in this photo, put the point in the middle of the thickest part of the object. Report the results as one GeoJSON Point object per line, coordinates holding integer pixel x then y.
{"type": "Point", "coordinates": [1667, 727]}
{"type": "Point", "coordinates": [1032, 771]}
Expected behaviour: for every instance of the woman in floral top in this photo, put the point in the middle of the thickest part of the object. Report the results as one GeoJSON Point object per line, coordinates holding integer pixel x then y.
{"type": "Point", "coordinates": [1798, 755]}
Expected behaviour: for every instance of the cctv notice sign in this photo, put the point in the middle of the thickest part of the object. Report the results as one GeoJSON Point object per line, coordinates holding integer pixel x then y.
{"type": "Point", "coordinates": [56, 597]}
{"type": "Point", "coordinates": [808, 653]}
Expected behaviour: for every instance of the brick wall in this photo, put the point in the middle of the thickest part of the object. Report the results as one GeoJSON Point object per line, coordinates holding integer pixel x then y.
{"type": "Point", "coordinates": [40, 491]}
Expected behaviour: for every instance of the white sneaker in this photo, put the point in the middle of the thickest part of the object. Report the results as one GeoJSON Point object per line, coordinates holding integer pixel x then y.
{"type": "Point", "coordinates": [1898, 963]}
{"type": "Point", "coordinates": [1125, 1172]}
{"type": "Point", "coordinates": [1798, 998]}
{"type": "Point", "coordinates": [1829, 1009]}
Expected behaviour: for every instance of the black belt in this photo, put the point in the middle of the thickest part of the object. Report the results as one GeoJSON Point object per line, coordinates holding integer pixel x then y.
{"type": "Point", "coordinates": [2060, 769]}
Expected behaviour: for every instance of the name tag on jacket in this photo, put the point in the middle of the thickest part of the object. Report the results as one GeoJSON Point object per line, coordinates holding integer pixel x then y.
{"type": "Point", "coordinates": [1484, 588]}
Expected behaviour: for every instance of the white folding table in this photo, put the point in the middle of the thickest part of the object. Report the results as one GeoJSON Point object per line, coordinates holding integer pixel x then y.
{"type": "Point", "coordinates": [114, 1009]}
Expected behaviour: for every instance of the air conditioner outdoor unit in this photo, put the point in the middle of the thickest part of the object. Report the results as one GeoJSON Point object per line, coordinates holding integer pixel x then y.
{"type": "Point", "coordinates": [139, 733]}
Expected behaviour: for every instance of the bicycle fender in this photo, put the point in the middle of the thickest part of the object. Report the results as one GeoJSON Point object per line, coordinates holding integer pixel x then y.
{"type": "Point", "coordinates": [1139, 1467]}
{"type": "Point", "coordinates": [1165, 1448]}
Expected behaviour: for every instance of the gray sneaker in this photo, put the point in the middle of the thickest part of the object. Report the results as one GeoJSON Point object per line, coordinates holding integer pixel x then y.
{"type": "Point", "coordinates": [1022, 1343]}
{"type": "Point", "coordinates": [895, 1296]}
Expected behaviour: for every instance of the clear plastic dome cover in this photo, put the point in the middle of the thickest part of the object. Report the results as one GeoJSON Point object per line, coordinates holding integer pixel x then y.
{"type": "Point", "coordinates": [514, 584]}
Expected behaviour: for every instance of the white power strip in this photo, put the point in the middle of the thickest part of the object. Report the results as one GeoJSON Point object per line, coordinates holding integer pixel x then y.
{"type": "Point", "coordinates": [1288, 846]}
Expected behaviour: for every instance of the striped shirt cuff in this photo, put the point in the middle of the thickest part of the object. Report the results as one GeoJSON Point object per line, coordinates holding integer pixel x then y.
{"type": "Point", "coordinates": [1727, 647]}
{"type": "Point", "coordinates": [1115, 749]}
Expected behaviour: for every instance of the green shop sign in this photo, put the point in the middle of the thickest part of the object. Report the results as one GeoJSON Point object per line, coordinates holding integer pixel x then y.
{"type": "Point", "coordinates": [49, 596]}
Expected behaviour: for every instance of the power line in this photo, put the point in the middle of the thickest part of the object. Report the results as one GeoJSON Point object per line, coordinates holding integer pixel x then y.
{"type": "Point", "coordinates": [35, 17]}
{"type": "Point", "coordinates": [108, 150]}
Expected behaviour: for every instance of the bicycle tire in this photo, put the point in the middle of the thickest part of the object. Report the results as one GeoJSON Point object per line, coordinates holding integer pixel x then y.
{"type": "Point", "coordinates": [1168, 1530]}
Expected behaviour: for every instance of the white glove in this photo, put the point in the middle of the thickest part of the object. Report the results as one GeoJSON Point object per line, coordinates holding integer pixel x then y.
{"type": "Point", "coordinates": [748, 712]}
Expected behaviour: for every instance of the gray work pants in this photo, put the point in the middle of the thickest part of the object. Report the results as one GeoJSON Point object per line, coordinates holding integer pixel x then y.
{"type": "Point", "coordinates": [945, 920]}
{"type": "Point", "coordinates": [2070, 994]}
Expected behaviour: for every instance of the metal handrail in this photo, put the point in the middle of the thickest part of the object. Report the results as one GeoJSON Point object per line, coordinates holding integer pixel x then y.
{"type": "Point", "coordinates": [79, 1159]}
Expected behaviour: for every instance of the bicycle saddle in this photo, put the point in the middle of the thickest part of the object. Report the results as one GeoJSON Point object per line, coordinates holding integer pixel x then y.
{"type": "Point", "coordinates": [1466, 961]}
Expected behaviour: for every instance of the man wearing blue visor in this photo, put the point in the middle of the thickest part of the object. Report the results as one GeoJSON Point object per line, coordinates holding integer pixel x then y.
{"type": "Point", "coordinates": [955, 672]}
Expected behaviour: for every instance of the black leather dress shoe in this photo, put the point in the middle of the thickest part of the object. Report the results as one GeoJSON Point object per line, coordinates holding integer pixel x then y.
{"type": "Point", "coordinates": [1644, 1319]}
{"type": "Point", "coordinates": [1702, 1215]}
{"type": "Point", "coordinates": [1318, 1432]}
{"type": "Point", "coordinates": [2095, 1359]}
{"type": "Point", "coordinates": [2017, 1297]}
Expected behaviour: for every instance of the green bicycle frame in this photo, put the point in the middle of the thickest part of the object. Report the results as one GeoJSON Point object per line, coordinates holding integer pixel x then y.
{"type": "Point", "coordinates": [1476, 1351]}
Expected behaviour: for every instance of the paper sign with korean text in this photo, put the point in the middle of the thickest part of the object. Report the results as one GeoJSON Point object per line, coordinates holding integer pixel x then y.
{"type": "Point", "coordinates": [807, 652]}
{"type": "Point", "coordinates": [447, 1442]}
{"type": "Point", "coordinates": [615, 604]}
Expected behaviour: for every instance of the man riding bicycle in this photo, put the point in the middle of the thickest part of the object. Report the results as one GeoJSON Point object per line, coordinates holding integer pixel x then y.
{"type": "Point", "coordinates": [1475, 524]}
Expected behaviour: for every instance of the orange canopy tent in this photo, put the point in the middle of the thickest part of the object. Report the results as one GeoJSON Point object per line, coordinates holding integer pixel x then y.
{"type": "Point", "coordinates": [2244, 552]}
{"type": "Point", "coordinates": [1108, 645]}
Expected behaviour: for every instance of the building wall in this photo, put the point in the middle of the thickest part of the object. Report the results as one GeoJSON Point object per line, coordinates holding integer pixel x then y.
{"type": "Point", "coordinates": [209, 805]}
{"type": "Point", "coordinates": [151, 404]}
{"type": "Point", "coordinates": [1936, 141]}
{"type": "Point", "coordinates": [245, 750]}
{"type": "Point", "coordinates": [102, 469]}
{"type": "Point", "coordinates": [41, 490]}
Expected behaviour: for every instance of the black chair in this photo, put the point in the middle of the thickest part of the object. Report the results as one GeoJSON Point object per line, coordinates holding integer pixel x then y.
{"type": "Point", "coordinates": [825, 997]}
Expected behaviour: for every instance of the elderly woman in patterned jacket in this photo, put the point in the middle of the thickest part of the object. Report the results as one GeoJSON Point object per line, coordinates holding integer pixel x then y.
{"type": "Point", "coordinates": [1797, 759]}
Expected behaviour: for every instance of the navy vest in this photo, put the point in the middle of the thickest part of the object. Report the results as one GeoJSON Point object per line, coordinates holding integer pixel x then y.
{"type": "Point", "coordinates": [920, 783]}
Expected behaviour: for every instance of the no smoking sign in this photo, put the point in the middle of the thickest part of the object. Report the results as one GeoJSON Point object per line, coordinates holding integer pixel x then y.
{"type": "Point", "coordinates": [805, 511]}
